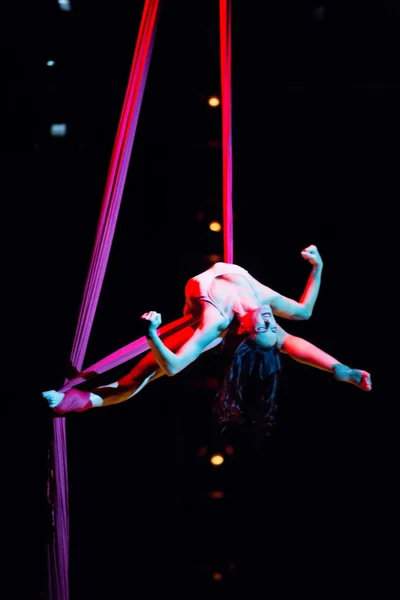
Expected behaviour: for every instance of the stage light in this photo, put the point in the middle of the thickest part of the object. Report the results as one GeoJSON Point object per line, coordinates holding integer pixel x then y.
{"type": "Point", "coordinates": [213, 101]}
{"type": "Point", "coordinates": [217, 460]}
{"type": "Point", "coordinates": [58, 129]}
{"type": "Point", "coordinates": [64, 5]}
{"type": "Point", "coordinates": [50, 63]}
{"type": "Point", "coordinates": [215, 226]}
{"type": "Point", "coordinates": [213, 258]}
{"type": "Point", "coordinates": [216, 495]}
{"type": "Point", "coordinates": [217, 576]}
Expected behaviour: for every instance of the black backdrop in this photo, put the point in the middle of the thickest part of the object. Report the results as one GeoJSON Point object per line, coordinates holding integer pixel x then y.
{"type": "Point", "coordinates": [315, 154]}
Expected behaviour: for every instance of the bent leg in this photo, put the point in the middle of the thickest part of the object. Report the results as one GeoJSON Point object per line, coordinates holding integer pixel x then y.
{"type": "Point", "coordinates": [145, 371]}
{"type": "Point", "coordinates": [123, 389]}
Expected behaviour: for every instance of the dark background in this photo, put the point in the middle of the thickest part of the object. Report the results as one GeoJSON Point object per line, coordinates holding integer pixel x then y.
{"type": "Point", "coordinates": [315, 105]}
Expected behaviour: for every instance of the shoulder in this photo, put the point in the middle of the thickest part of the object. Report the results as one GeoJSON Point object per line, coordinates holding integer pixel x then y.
{"type": "Point", "coordinates": [211, 318]}
{"type": "Point", "coordinates": [267, 295]}
{"type": "Point", "coordinates": [210, 329]}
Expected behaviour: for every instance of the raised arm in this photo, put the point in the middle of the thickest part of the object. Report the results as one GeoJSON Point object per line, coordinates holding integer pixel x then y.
{"type": "Point", "coordinates": [301, 310]}
{"type": "Point", "coordinates": [304, 352]}
{"type": "Point", "coordinates": [206, 336]}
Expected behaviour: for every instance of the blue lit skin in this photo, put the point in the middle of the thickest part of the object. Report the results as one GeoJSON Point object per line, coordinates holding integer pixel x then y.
{"type": "Point", "coordinates": [185, 345]}
{"type": "Point", "coordinates": [260, 326]}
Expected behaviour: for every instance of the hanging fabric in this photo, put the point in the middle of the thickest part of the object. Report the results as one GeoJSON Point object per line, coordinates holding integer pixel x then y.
{"type": "Point", "coordinates": [225, 24]}
{"type": "Point", "coordinates": [57, 487]}
{"type": "Point", "coordinates": [126, 353]}
{"type": "Point", "coordinates": [58, 549]}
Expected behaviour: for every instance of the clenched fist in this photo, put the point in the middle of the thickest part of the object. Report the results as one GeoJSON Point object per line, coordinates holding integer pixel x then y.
{"type": "Point", "coordinates": [312, 255]}
{"type": "Point", "coordinates": [152, 319]}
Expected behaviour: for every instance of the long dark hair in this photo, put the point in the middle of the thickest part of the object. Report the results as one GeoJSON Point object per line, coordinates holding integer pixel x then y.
{"type": "Point", "coordinates": [249, 387]}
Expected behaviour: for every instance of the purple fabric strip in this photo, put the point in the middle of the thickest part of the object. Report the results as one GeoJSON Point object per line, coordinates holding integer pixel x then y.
{"type": "Point", "coordinates": [58, 549]}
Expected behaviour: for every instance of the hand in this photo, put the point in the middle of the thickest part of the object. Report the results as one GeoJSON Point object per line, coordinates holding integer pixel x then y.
{"type": "Point", "coordinates": [312, 255]}
{"type": "Point", "coordinates": [152, 319]}
{"type": "Point", "coordinates": [361, 379]}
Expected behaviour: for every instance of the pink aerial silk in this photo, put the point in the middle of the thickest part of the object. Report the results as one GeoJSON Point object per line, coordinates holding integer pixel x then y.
{"type": "Point", "coordinates": [58, 549]}
{"type": "Point", "coordinates": [226, 106]}
{"type": "Point", "coordinates": [127, 352]}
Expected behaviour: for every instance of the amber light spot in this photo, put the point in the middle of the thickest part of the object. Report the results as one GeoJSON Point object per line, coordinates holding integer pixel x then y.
{"type": "Point", "coordinates": [214, 101]}
{"type": "Point", "coordinates": [217, 459]}
{"type": "Point", "coordinates": [215, 226]}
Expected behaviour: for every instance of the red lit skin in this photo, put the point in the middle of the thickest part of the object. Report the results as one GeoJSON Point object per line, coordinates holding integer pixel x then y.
{"type": "Point", "coordinates": [232, 291]}
{"type": "Point", "coordinates": [236, 298]}
{"type": "Point", "coordinates": [259, 323]}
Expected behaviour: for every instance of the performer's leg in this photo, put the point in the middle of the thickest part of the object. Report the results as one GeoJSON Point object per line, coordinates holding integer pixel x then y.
{"type": "Point", "coordinates": [145, 371]}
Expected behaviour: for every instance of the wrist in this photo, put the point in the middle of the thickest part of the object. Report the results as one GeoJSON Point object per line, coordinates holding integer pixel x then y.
{"type": "Point", "coordinates": [339, 368]}
{"type": "Point", "coordinates": [152, 334]}
{"type": "Point", "coordinates": [317, 268]}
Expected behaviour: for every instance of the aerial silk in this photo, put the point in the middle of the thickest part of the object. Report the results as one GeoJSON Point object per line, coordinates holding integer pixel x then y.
{"type": "Point", "coordinates": [58, 548]}
{"type": "Point", "coordinates": [127, 352]}
{"type": "Point", "coordinates": [226, 104]}
{"type": "Point", "coordinates": [57, 486]}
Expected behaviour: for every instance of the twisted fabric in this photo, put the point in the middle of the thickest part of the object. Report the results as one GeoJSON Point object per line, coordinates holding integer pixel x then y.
{"type": "Point", "coordinates": [58, 549]}
{"type": "Point", "coordinates": [57, 486]}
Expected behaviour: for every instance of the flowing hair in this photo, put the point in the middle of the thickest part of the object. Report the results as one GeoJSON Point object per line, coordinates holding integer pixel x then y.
{"type": "Point", "coordinates": [249, 387]}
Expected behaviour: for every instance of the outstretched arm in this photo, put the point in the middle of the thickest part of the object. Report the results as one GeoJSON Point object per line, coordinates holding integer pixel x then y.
{"type": "Point", "coordinates": [304, 352]}
{"type": "Point", "coordinates": [302, 310]}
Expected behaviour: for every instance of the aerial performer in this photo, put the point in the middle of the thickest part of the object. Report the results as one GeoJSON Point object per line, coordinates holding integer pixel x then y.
{"type": "Point", "coordinates": [226, 298]}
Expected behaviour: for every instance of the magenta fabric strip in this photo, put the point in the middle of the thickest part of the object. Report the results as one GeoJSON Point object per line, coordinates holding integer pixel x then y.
{"type": "Point", "coordinates": [57, 490]}
{"type": "Point", "coordinates": [126, 353]}
{"type": "Point", "coordinates": [58, 549]}
{"type": "Point", "coordinates": [226, 88]}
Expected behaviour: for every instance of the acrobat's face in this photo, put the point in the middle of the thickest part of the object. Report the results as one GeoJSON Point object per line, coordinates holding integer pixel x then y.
{"type": "Point", "coordinates": [260, 326]}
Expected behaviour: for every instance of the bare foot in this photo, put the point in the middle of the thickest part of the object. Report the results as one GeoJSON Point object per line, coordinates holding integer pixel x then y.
{"type": "Point", "coordinates": [53, 398]}
{"type": "Point", "coordinates": [72, 401]}
{"type": "Point", "coordinates": [361, 379]}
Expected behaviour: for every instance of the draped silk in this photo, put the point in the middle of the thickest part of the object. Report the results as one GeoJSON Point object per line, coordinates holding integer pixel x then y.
{"type": "Point", "coordinates": [57, 488]}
